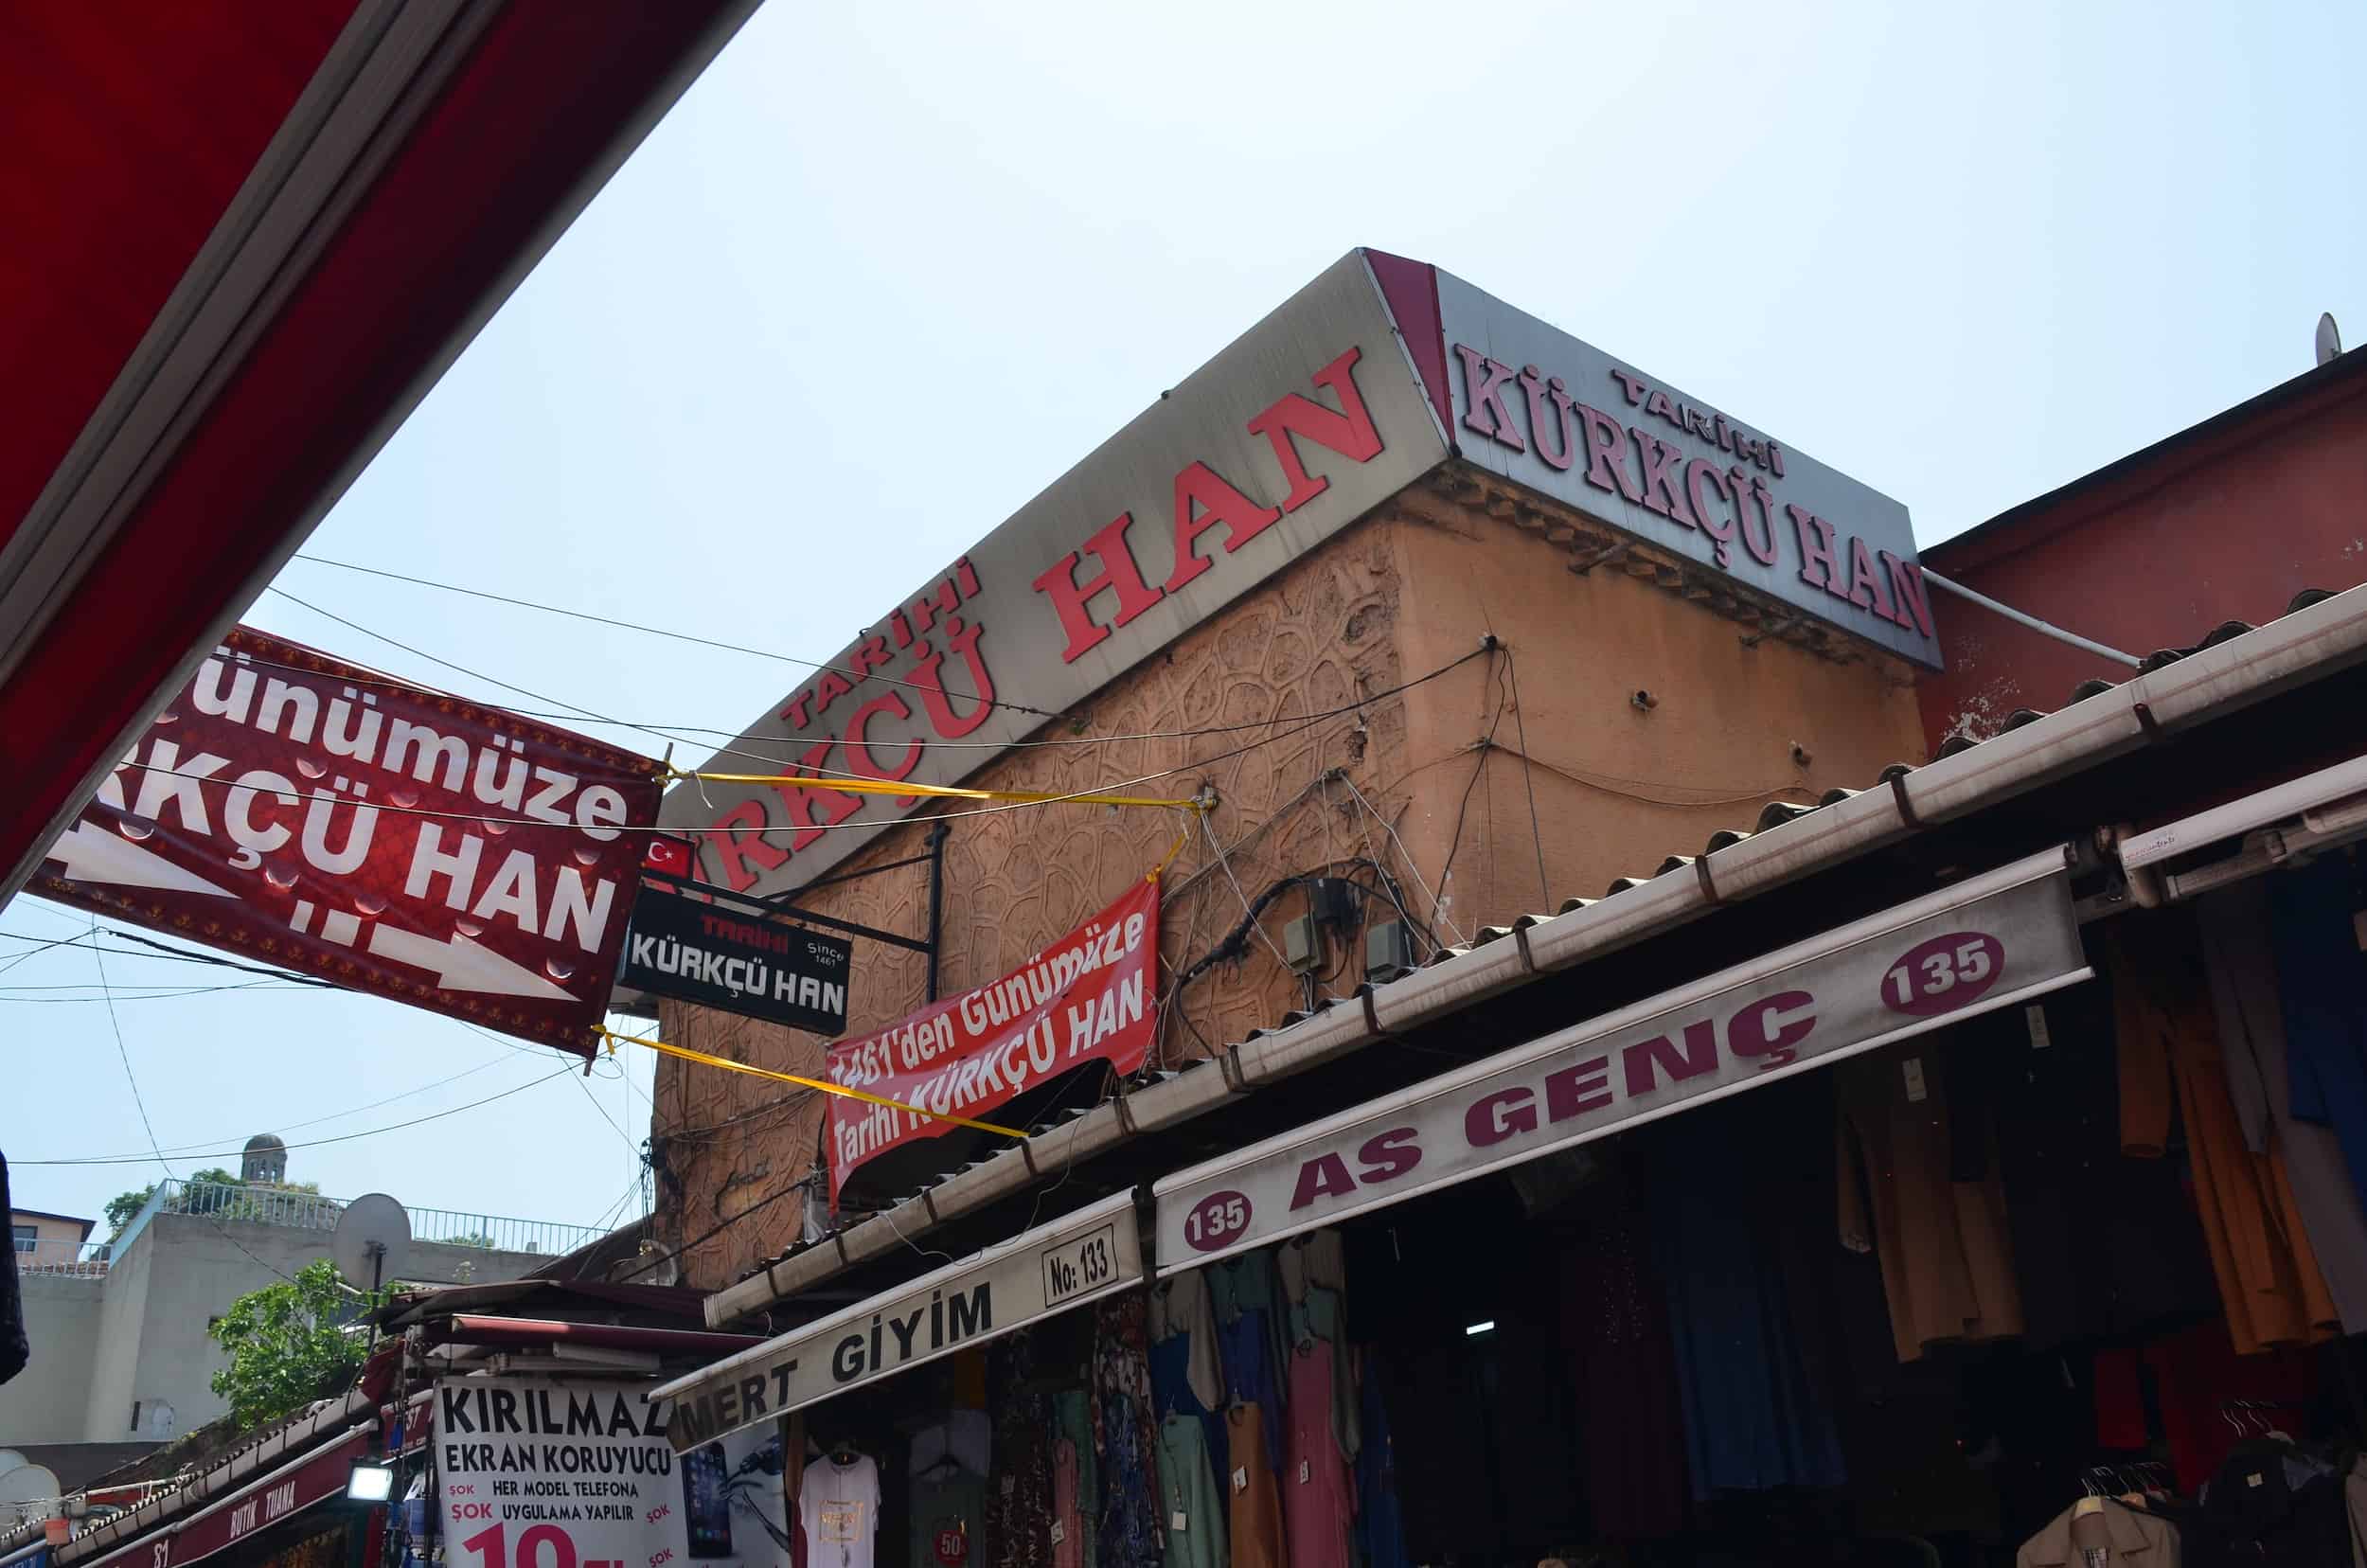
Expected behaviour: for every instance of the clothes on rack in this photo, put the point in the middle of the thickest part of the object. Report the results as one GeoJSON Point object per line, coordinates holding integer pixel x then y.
{"type": "Point", "coordinates": [1194, 1511]}
{"type": "Point", "coordinates": [838, 1506]}
{"type": "Point", "coordinates": [2170, 1054]}
{"type": "Point", "coordinates": [1939, 1233]}
{"type": "Point", "coordinates": [1255, 1519]}
{"type": "Point", "coordinates": [2134, 1539]}
{"type": "Point", "coordinates": [2243, 927]}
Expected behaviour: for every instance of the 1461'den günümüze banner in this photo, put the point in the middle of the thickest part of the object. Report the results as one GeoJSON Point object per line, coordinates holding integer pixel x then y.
{"type": "Point", "coordinates": [300, 812]}
{"type": "Point", "coordinates": [1088, 997]}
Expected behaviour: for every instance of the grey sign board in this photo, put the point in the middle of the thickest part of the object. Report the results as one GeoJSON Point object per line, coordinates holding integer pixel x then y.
{"type": "Point", "coordinates": [1560, 416]}
{"type": "Point", "coordinates": [1072, 1261]}
{"type": "Point", "coordinates": [1289, 434]}
{"type": "Point", "coordinates": [1994, 941]}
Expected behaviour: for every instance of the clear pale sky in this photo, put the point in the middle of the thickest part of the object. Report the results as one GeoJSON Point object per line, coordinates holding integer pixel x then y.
{"type": "Point", "coordinates": [1962, 253]}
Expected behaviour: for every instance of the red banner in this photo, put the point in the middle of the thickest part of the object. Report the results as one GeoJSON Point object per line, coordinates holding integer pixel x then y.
{"type": "Point", "coordinates": [291, 809]}
{"type": "Point", "coordinates": [1088, 997]}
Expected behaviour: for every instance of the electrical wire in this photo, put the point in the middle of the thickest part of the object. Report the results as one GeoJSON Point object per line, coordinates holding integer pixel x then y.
{"type": "Point", "coordinates": [310, 1143]}
{"type": "Point", "coordinates": [1537, 835]}
{"type": "Point", "coordinates": [856, 674]}
{"type": "Point", "coordinates": [1297, 728]}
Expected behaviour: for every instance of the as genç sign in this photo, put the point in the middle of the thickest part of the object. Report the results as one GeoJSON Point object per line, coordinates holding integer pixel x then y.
{"type": "Point", "coordinates": [301, 811]}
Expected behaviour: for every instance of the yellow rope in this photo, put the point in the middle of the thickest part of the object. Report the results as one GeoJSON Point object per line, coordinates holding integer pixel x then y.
{"type": "Point", "coordinates": [728, 1065]}
{"type": "Point", "coordinates": [934, 792]}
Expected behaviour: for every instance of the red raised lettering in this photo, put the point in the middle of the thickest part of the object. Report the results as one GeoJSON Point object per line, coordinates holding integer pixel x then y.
{"type": "Point", "coordinates": [1386, 1156]}
{"type": "Point", "coordinates": [1204, 499]}
{"type": "Point", "coordinates": [1325, 1176]}
{"type": "Point", "coordinates": [1607, 454]}
{"type": "Point", "coordinates": [1911, 601]}
{"type": "Point", "coordinates": [1697, 1055]}
{"type": "Point", "coordinates": [1574, 1091]}
{"type": "Point", "coordinates": [1663, 463]}
{"type": "Point", "coordinates": [742, 841]}
{"type": "Point", "coordinates": [1351, 431]}
{"type": "Point", "coordinates": [1483, 398]}
{"type": "Point", "coordinates": [1771, 1026]}
{"type": "Point", "coordinates": [859, 754]}
{"type": "Point", "coordinates": [836, 806]}
{"type": "Point", "coordinates": [1817, 566]}
{"type": "Point", "coordinates": [1492, 1118]}
{"type": "Point", "coordinates": [1119, 575]}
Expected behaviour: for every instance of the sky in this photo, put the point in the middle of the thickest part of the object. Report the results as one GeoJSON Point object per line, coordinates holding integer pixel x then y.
{"type": "Point", "coordinates": [885, 273]}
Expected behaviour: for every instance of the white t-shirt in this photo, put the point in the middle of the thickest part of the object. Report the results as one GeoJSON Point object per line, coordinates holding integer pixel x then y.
{"type": "Point", "coordinates": [839, 1506]}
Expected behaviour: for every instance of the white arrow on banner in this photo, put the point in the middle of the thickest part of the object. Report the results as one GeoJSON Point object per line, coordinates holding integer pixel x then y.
{"type": "Point", "coordinates": [92, 854]}
{"type": "Point", "coordinates": [463, 965]}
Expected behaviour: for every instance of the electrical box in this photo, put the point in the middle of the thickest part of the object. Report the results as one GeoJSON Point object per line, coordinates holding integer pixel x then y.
{"type": "Point", "coordinates": [1388, 950]}
{"type": "Point", "coordinates": [1302, 945]}
{"type": "Point", "coordinates": [1332, 901]}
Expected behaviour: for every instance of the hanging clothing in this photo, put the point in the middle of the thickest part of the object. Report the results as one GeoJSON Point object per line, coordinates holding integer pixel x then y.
{"type": "Point", "coordinates": [1318, 1315]}
{"type": "Point", "coordinates": [1316, 1260]}
{"type": "Point", "coordinates": [1938, 1228]}
{"type": "Point", "coordinates": [947, 1517]}
{"type": "Point", "coordinates": [839, 1506]}
{"type": "Point", "coordinates": [1128, 1533]}
{"type": "Point", "coordinates": [1756, 1416]}
{"type": "Point", "coordinates": [1019, 1504]}
{"type": "Point", "coordinates": [1244, 1284]}
{"type": "Point", "coordinates": [1319, 1498]}
{"type": "Point", "coordinates": [2354, 1504]}
{"type": "Point", "coordinates": [1380, 1519]}
{"type": "Point", "coordinates": [1614, 1334]}
{"type": "Point", "coordinates": [2103, 1244]}
{"type": "Point", "coordinates": [965, 1436]}
{"type": "Point", "coordinates": [2324, 983]}
{"type": "Point", "coordinates": [1252, 1375]}
{"type": "Point", "coordinates": [1073, 1422]}
{"type": "Point", "coordinates": [1180, 1307]}
{"type": "Point", "coordinates": [1192, 1509]}
{"type": "Point", "coordinates": [2270, 1282]}
{"type": "Point", "coordinates": [2137, 1540]}
{"type": "Point", "coordinates": [1257, 1538]}
{"type": "Point", "coordinates": [1067, 1528]}
{"type": "Point", "coordinates": [1172, 1393]}
{"type": "Point", "coordinates": [2246, 1001]}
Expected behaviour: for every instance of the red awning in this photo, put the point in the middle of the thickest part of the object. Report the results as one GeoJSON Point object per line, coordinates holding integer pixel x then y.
{"type": "Point", "coordinates": [243, 242]}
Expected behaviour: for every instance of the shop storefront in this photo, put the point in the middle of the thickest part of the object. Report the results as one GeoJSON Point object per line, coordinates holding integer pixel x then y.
{"type": "Point", "coordinates": [1891, 1244]}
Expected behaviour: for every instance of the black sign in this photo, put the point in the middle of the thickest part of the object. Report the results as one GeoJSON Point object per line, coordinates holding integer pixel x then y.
{"type": "Point", "coordinates": [735, 960]}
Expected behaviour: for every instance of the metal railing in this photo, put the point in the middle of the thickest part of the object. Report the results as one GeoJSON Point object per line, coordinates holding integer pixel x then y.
{"type": "Point", "coordinates": [224, 1203]}
{"type": "Point", "coordinates": [56, 1255]}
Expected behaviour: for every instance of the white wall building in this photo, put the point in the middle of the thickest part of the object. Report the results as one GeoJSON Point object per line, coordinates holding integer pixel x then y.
{"type": "Point", "coordinates": [120, 1350]}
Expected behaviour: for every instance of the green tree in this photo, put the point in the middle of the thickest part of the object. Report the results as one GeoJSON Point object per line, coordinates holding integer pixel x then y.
{"type": "Point", "coordinates": [468, 1238]}
{"type": "Point", "coordinates": [125, 1206]}
{"type": "Point", "coordinates": [288, 1343]}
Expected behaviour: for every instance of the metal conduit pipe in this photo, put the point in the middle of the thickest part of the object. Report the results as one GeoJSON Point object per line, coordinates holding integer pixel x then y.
{"type": "Point", "coordinates": [2306, 645]}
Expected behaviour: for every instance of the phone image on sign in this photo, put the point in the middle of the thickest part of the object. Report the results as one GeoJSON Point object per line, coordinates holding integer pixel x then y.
{"type": "Point", "coordinates": [706, 1503]}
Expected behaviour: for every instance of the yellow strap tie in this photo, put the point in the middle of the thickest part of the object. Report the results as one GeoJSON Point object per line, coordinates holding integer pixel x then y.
{"type": "Point", "coordinates": [728, 1065]}
{"type": "Point", "coordinates": [937, 791]}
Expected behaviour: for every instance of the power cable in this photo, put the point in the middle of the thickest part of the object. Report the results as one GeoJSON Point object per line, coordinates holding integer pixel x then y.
{"type": "Point", "coordinates": [1297, 728]}
{"type": "Point", "coordinates": [1537, 835]}
{"type": "Point", "coordinates": [312, 1143]}
{"type": "Point", "coordinates": [635, 626]}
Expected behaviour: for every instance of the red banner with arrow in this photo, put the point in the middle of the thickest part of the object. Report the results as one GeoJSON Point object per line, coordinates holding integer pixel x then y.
{"type": "Point", "coordinates": [293, 808]}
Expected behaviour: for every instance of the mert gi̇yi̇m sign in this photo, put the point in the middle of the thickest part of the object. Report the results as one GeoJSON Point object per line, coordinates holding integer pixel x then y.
{"type": "Point", "coordinates": [1052, 1269]}
{"type": "Point", "coordinates": [300, 812]}
{"type": "Point", "coordinates": [1997, 939]}
{"type": "Point", "coordinates": [1085, 998]}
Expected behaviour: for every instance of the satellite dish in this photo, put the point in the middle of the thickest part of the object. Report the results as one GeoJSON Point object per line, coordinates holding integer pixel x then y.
{"type": "Point", "coordinates": [29, 1491]}
{"type": "Point", "coordinates": [373, 1241]}
{"type": "Point", "coordinates": [10, 1459]}
{"type": "Point", "coordinates": [2329, 338]}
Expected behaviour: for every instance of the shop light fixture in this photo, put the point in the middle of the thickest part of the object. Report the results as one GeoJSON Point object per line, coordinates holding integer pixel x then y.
{"type": "Point", "coordinates": [370, 1481]}
{"type": "Point", "coordinates": [1478, 1328]}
